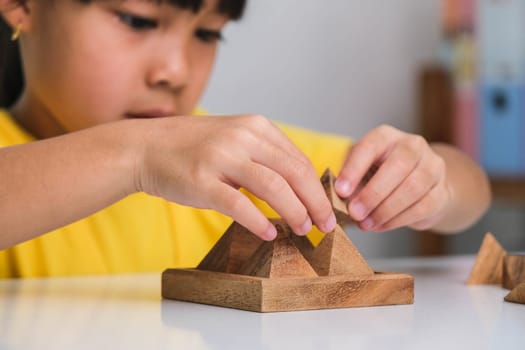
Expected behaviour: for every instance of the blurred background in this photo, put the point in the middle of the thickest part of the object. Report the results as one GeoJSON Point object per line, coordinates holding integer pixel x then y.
{"type": "Point", "coordinates": [453, 70]}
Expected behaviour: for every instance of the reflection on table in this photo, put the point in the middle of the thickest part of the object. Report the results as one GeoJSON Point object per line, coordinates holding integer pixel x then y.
{"type": "Point", "coordinates": [127, 312]}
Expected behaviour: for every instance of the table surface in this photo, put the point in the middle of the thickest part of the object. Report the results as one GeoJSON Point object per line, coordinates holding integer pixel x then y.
{"type": "Point", "coordinates": [126, 312]}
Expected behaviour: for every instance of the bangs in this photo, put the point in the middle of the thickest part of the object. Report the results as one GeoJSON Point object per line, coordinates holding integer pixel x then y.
{"type": "Point", "coordinates": [233, 9]}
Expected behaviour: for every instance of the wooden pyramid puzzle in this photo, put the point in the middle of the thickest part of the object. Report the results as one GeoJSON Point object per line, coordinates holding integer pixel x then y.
{"type": "Point", "coordinates": [494, 265]}
{"type": "Point", "coordinates": [289, 273]}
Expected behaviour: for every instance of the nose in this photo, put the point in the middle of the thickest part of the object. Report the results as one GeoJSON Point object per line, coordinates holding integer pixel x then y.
{"type": "Point", "coordinates": [170, 67]}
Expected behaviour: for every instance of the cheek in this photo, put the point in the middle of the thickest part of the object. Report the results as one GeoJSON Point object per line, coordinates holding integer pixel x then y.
{"type": "Point", "coordinates": [103, 89]}
{"type": "Point", "coordinates": [86, 97]}
{"type": "Point", "coordinates": [84, 87]}
{"type": "Point", "coordinates": [78, 71]}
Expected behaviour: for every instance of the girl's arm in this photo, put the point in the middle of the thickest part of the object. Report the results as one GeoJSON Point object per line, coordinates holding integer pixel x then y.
{"type": "Point", "coordinates": [469, 187]}
{"type": "Point", "coordinates": [199, 162]}
{"type": "Point", "coordinates": [50, 183]}
{"type": "Point", "coordinates": [397, 179]}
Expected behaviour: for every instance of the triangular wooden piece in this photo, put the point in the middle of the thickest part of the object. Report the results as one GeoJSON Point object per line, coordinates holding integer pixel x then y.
{"type": "Point", "coordinates": [513, 270]}
{"type": "Point", "coordinates": [334, 255]}
{"type": "Point", "coordinates": [279, 258]}
{"type": "Point", "coordinates": [517, 295]}
{"type": "Point", "coordinates": [232, 250]}
{"type": "Point", "coordinates": [339, 205]}
{"type": "Point", "coordinates": [337, 255]}
{"type": "Point", "coordinates": [488, 268]}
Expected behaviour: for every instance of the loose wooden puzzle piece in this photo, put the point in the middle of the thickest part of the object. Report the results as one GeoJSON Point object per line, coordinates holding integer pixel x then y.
{"type": "Point", "coordinates": [242, 271]}
{"type": "Point", "coordinates": [488, 268]}
{"type": "Point", "coordinates": [495, 266]}
{"type": "Point", "coordinates": [517, 295]}
{"type": "Point", "coordinates": [513, 270]}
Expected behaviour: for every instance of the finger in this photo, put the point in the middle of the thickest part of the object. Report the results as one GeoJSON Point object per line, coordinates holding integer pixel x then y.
{"type": "Point", "coordinates": [260, 128]}
{"type": "Point", "coordinates": [269, 186]}
{"type": "Point", "coordinates": [429, 174]}
{"type": "Point", "coordinates": [396, 169]}
{"type": "Point", "coordinates": [300, 175]}
{"type": "Point", "coordinates": [371, 149]}
{"type": "Point", "coordinates": [421, 215]}
{"type": "Point", "coordinates": [412, 189]}
{"type": "Point", "coordinates": [233, 203]}
{"type": "Point", "coordinates": [265, 129]}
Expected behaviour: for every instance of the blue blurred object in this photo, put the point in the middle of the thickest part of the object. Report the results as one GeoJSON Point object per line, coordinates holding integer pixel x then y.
{"type": "Point", "coordinates": [502, 128]}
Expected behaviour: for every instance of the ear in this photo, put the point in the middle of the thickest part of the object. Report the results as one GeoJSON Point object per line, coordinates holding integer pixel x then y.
{"type": "Point", "coordinates": [16, 14]}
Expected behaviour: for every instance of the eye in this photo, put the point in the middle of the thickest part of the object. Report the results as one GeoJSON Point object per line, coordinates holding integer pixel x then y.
{"type": "Point", "coordinates": [208, 36]}
{"type": "Point", "coordinates": [137, 23]}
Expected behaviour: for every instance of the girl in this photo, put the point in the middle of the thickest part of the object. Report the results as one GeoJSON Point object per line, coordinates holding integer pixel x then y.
{"type": "Point", "coordinates": [100, 151]}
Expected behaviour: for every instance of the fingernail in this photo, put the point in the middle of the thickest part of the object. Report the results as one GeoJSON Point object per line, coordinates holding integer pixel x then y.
{"type": "Point", "coordinates": [271, 233]}
{"type": "Point", "coordinates": [357, 210]}
{"type": "Point", "coordinates": [368, 224]}
{"type": "Point", "coordinates": [329, 225]}
{"type": "Point", "coordinates": [342, 187]}
{"type": "Point", "coordinates": [306, 227]}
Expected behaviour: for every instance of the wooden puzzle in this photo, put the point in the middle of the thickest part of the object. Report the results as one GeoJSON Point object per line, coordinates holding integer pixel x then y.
{"type": "Point", "coordinates": [289, 273]}
{"type": "Point", "coordinates": [513, 270]}
{"type": "Point", "coordinates": [339, 205]}
{"type": "Point", "coordinates": [488, 268]}
{"type": "Point", "coordinates": [517, 295]}
{"type": "Point", "coordinates": [495, 266]}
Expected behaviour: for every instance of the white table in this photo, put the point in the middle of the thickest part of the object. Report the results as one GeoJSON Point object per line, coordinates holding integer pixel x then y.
{"type": "Point", "coordinates": [126, 312]}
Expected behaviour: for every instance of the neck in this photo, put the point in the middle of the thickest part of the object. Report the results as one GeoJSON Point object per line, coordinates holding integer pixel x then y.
{"type": "Point", "coordinates": [35, 117]}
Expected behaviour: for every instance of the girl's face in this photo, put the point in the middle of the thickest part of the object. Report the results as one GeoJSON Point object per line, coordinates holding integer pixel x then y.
{"type": "Point", "coordinates": [87, 64]}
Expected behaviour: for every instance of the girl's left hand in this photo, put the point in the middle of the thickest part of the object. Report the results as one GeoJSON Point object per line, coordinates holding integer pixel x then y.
{"type": "Point", "coordinates": [394, 179]}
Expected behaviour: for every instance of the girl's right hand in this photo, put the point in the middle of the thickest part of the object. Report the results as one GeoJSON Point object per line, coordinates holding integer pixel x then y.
{"type": "Point", "coordinates": [203, 161]}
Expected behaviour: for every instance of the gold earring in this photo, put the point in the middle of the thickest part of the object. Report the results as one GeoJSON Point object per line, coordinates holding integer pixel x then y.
{"type": "Point", "coordinates": [16, 33]}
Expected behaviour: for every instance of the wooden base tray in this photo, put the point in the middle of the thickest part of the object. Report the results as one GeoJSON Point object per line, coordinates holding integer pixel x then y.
{"type": "Point", "coordinates": [263, 294]}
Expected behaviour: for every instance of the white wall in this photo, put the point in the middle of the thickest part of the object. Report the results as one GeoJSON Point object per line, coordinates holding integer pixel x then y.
{"type": "Point", "coordinates": [336, 65]}
{"type": "Point", "coordinates": [341, 66]}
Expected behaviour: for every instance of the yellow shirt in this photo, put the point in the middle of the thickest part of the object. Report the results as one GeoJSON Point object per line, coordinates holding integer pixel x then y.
{"type": "Point", "coordinates": [140, 233]}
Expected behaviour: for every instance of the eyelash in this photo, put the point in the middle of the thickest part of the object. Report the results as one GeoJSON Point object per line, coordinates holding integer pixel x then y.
{"type": "Point", "coordinates": [209, 36]}
{"type": "Point", "coordinates": [139, 23]}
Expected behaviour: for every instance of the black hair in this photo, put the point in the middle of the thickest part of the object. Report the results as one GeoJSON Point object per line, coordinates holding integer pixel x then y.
{"type": "Point", "coordinates": [231, 8]}
{"type": "Point", "coordinates": [11, 75]}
